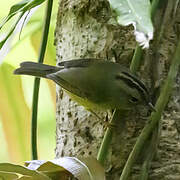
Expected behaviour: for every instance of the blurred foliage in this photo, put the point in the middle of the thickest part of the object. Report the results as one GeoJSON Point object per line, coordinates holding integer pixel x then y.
{"type": "Point", "coordinates": [16, 91]}
{"type": "Point", "coordinates": [62, 168]}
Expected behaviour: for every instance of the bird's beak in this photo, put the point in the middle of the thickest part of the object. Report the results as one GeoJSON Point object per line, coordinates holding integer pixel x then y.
{"type": "Point", "coordinates": [151, 107]}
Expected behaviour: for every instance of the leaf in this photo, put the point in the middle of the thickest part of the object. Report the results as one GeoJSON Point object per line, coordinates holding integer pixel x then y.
{"type": "Point", "coordinates": [10, 32]}
{"type": "Point", "coordinates": [50, 169]}
{"type": "Point", "coordinates": [82, 168]}
{"type": "Point", "coordinates": [13, 10]}
{"type": "Point", "coordinates": [6, 43]}
{"type": "Point", "coordinates": [11, 171]}
{"type": "Point", "coordinates": [18, 6]}
{"type": "Point", "coordinates": [22, 6]}
{"type": "Point", "coordinates": [137, 13]}
{"type": "Point", "coordinates": [15, 114]}
{"type": "Point", "coordinates": [97, 171]}
{"type": "Point", "coordinates": [7, 175]}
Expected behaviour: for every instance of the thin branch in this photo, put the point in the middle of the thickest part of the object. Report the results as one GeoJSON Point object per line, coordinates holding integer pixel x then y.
{"type": "Point", "coordinates": [37, 80]}
{"type": "Point", "coordinates": [106, 142]}
{"type": "Point", "coordinates": [103, 150]}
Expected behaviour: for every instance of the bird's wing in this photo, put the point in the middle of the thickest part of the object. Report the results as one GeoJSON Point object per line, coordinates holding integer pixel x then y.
{"type": "Point", "coordinates": [78, 63]}
{"type": "Point", "coordinates": [71, 87]}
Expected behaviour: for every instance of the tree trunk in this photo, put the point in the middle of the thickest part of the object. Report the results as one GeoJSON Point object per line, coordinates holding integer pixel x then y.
{"type": "Point", "coordinates": [83, 31]}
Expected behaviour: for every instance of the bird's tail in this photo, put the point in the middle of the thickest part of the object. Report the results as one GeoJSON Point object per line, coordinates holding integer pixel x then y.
{"type": "Point", "coordinates": [36, 69]}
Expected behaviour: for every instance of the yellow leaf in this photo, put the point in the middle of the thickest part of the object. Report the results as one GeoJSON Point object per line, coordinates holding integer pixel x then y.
{"type": "Point", "coordinates": [15, 114]}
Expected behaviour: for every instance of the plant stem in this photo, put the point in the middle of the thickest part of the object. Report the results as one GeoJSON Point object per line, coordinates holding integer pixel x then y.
{"type": "Point", "coordinates": [103, 150]}
{"type": "Point", "coordinates": [37, 81]}
{"type": "Point", "coordinates": [154, 7]}
{"type": "Point", "coordinates": [155, 116]}
{"type": "Point", "coordinates": [136, 60]}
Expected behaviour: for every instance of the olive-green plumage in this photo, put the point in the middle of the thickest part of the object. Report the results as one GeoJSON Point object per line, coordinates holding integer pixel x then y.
{"type": "Point", "coordinates": [93, 83]}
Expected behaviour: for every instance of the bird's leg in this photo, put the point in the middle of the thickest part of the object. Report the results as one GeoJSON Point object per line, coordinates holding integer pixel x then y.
{"type": "Point", "coordinates": [95, 114]}
{"type": "Point", "coordinates": [105, 121]}
{"type": "Point", "coordinates": [116, 57]}
{"type": "Point", "coordinates": [109, 124]}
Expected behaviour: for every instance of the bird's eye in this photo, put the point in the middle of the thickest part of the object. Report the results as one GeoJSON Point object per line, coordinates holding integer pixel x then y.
{"type": "Point", "coordinates": [118, 77]}
{"type": "Point", "coordinates": [133, 100]}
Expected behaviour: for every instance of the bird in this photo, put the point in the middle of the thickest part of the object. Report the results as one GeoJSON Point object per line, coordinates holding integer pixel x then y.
{"type": "Point", "coordinates": [93, 83]}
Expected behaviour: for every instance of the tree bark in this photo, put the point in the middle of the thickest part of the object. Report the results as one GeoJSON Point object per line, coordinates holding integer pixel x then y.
{"type": "Point", "coordinates": [83, 31]}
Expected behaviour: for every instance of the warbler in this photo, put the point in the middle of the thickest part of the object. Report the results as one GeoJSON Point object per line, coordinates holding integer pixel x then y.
{"type": "Point", "coordinates": [93, 83]}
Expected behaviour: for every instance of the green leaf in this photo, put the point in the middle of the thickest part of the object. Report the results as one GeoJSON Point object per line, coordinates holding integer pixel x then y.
{"type": "Point", "coordinates": [10, 32]}
{"type": "Point", "coordinates": [11, 171]}
{"type": "Point", "coordinates": [17, 6]}
{"type": "Point", "coordinates": [23, 6]}
{"type": "Point", "coordinates": [13, 10]}
{"type": "Point", "coordinates": [137, 13]}
{"type": "Point", "coordinates": [8, 176]}
{"type": "Point", "coordinates": [2, 42]}
{"type": "Point", "coordinates": [31, 4]}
